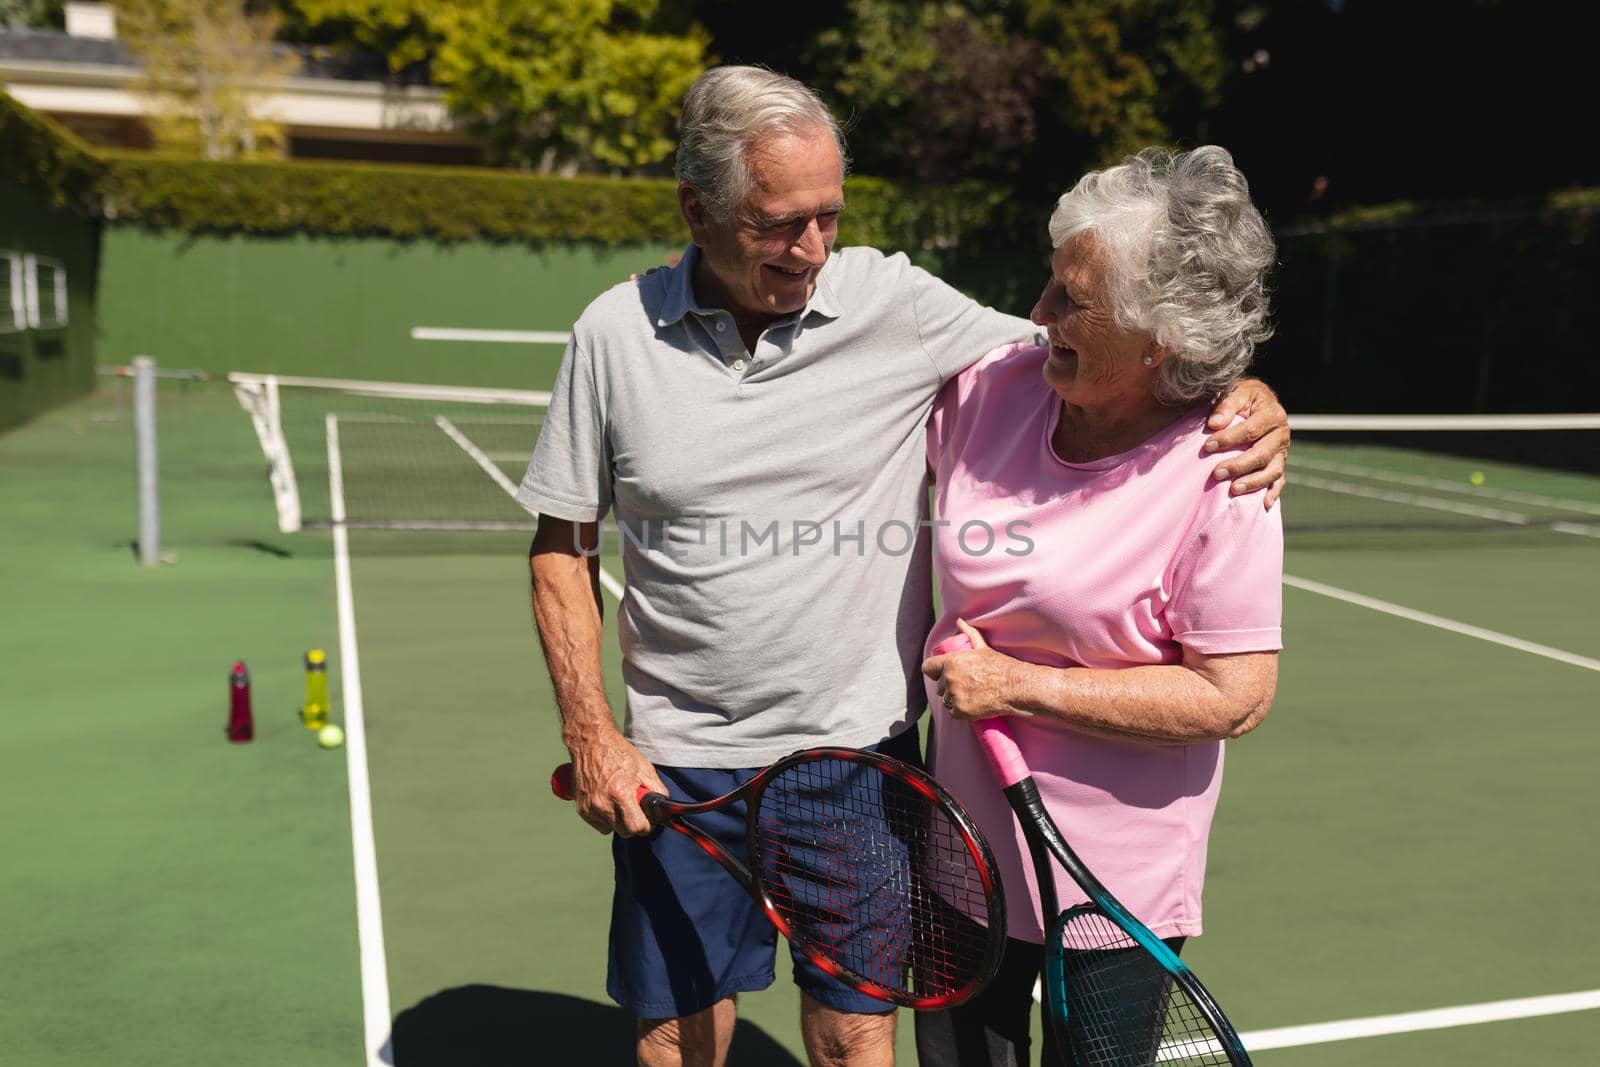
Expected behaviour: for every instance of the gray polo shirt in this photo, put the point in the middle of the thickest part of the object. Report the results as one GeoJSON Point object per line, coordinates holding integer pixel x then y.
{"type": "Point", "coordinates": [770, 503]}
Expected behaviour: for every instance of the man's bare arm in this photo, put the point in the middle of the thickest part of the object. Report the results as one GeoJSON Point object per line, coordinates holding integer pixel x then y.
{"type": "Point", "coordinates": [569, 613]}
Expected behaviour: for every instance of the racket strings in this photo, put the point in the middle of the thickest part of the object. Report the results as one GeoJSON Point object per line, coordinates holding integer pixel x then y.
{"type": "Point", "coordinates": [873, 874]}
{"type": "Point", "coordinates": [1122, 1008]}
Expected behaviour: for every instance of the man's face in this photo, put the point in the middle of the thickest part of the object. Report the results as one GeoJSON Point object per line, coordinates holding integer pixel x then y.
{"type": "Point", "coordinates": [762, 263]}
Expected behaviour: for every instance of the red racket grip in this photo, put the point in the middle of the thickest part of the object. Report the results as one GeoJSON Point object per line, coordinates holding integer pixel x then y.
{"type": "Point", "coordinates": [561, 783]}
{"type": "Point", "coordinates": [994, 733]}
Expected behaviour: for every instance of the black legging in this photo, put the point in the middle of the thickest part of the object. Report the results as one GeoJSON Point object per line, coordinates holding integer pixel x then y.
{"type": "Point", "coordinates": [991, 1030]}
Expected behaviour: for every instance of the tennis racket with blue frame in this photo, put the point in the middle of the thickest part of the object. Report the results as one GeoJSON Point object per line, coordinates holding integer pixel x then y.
{"type": "Point", "coordinates": [1115, 994]}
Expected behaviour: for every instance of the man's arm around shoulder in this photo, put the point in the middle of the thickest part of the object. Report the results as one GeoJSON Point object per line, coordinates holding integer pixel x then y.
{"type": "Point", "coordinates": [1265, 428]}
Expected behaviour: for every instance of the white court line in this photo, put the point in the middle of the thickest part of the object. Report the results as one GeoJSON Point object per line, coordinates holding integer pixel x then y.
{"type": "Point", "coordinates": [1419, 481]}
{"type": "Point", "coordinates": [375, 1011]}
{"type": "Point", "coordinates": [402, 390]}
{"type": "Point", "coordinates": [1442, 623]}
{"type": "Point", "coordinates": [488, 465]}
{"type": "Point", "coordinates": [1404, 1022]}
{"type": "Point", "coordinates": [1391, 496]}
{"type": "Point", "coordinates": [1412, 1021]}
{"type": "Point", "coordinates": [1581, 529]}
{"type": "Point", "coordinates": [504, 337]}
{"type": "Point", "coordinates": [611, 585]}
{"type": "Point", "coordinates": [1369, 492]}
{"type": "Point", "coordinates": [369, 908]}
{"type": "Point", "coordinates": [433, 525]}
{"type": "Point", "coordinates": [1566, 421]}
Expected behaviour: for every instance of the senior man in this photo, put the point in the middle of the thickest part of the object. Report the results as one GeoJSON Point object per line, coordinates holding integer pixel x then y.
{"type": "Point", "coordinates": [754, 419]}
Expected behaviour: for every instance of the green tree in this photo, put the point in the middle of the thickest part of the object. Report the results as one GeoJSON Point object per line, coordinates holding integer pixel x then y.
{"type": "Point", "coordinates": [1021, 90]}
{"type": "Point", "coordinates": [553, 85]}
{"type": "Point", "coordinates": [32, 14]}
{"type": "Point", "coordinates": [203, 67]}
{"type": "Point", "coordinates": [1130, 68]}
{"type": "Point", "coordinates": [403, 32]}
{"type": "Point", "coordinates": [567, 84]}
{"type": "Point", "coordinates": [936, 92]}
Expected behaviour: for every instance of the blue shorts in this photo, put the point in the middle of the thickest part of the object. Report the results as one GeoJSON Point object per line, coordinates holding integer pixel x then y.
{"type": "Point", "coordinates": [684, 933]}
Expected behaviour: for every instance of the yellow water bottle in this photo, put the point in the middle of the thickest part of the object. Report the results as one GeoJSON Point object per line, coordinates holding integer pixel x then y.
{"type": "Point", "coordinates": [314, 713]}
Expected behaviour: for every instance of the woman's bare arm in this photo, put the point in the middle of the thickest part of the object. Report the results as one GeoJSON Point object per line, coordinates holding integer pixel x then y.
{"type": "Point", "coordinates": [1204, 698]}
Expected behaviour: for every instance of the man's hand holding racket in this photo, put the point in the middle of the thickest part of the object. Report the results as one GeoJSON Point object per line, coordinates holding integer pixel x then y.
{"type": "Point", "coordinates": [607, 772]}
{"type": "Point", "coordinates": [869, 867]}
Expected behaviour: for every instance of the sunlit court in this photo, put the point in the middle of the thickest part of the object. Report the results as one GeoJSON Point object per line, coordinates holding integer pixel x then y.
{"type": "Point", "coordinates": [278, 736]}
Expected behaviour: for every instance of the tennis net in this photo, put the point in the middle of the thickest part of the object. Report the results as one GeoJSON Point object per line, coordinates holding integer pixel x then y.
{"type": "Point", "coordinates": [420, 457]}
{"type": "Point", "coordinates": [1403, 472]}
{"type": "Point", "coordinates": [431, 457]}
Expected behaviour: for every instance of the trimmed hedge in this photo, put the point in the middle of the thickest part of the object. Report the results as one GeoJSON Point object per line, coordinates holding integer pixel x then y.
{"type": "Point", "coordinates": [434, 203]}
{"type": "Point", "coordinates": [1570, 207]}
{"type": "Point", "coordinates": [459, 204]}
{"type": "Point", "coordinates": [944, 226]}
{"type": "Point", "coordinates": [372, 200]}
{"type": "Point", "coordinates": [37, 153]}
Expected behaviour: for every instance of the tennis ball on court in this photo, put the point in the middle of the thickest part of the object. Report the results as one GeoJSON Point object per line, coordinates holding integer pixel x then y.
{"type": "Point", "coordinates": [1476, 477]}
{"type": "Point", "coordinates": [330, 736]}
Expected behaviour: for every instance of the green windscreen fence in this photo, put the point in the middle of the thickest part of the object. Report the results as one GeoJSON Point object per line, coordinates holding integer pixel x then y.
{"type": "Point", "coordinates": [1476, 312]}
{"type": "Point", "coordinates": [473, 313]}
{"type": "Point", "coordinates": [48, 266]}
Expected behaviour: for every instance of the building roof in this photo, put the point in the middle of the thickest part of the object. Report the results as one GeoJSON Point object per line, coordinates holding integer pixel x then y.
{"type": "Point", "coordinates": [54, 46]}
{"type": "Point", "coordinates": [331, 96]}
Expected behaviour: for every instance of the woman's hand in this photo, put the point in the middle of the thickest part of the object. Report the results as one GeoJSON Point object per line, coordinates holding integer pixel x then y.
{"type": "Point", "coordinates": [1204, 698]}
{"type": "Point", "coordinates": [978, 682]}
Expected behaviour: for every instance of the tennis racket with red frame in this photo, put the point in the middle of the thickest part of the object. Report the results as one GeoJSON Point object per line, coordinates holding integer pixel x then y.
{"type": "Point", "coordinates": [867, 865]}
{"type": "Point", "coordinates": [1115, 994]}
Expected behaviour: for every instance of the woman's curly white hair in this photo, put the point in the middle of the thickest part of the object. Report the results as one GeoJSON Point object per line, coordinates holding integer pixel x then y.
{"type": "Point", "coordinates": [1187, 255]}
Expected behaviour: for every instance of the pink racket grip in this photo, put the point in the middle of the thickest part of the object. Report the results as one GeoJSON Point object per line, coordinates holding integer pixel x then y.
{"type": "Point", "coordinates": [994, 734]}
{"type": "Point", "coordinates": [561, 783]}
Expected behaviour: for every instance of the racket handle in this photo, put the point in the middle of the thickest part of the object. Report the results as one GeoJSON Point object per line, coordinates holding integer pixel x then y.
{"type": "Point", "coordinates": [561, 783]}
{"type": "Point", "coordinates": [994, 734]}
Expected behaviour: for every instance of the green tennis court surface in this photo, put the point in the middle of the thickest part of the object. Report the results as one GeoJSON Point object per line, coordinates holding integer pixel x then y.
{"type": "Point", "coordinates": [1413, 829]}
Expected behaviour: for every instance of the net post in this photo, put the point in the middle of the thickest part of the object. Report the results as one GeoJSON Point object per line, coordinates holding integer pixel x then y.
{"type": "Point", "coordinates": [285, 490]}
{"type": "Point", "coordinates": [258, 395]}
{"type": "Point", "coordinates": [145, 460]}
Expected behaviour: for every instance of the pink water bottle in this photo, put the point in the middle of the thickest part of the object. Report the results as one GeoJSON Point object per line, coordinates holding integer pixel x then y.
{"type": "Point", "coordinates": [241, 725]}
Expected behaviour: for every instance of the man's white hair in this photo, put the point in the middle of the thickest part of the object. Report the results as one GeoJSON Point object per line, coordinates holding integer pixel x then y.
{"type": "Point", "coordinates": [1187, 256]}
{"type": "Point", "coordinates": [730, 111]}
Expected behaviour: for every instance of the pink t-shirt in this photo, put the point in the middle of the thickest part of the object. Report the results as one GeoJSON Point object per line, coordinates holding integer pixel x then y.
{"type": "Point", "coordinates": [1119, 562]}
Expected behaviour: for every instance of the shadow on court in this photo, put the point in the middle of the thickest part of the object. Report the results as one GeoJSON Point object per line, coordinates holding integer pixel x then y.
{"type": "Point", "coordinates": [482, 1025]}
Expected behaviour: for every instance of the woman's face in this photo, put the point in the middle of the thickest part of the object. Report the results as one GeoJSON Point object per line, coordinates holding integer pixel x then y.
{"type": "Point", "coordinates": [1093, 361]}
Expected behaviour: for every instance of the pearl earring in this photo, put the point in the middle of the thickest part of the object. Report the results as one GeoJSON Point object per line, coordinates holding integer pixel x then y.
{"type": "Point", "coordinates": [1148, 360]}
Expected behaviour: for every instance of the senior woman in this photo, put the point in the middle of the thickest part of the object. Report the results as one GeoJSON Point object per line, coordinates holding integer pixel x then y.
{"type": "Point", "coordinates": [1123, 606]}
